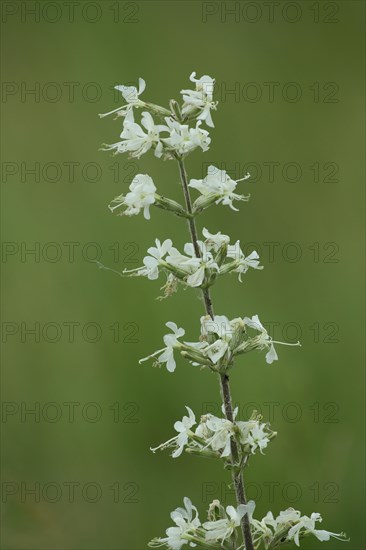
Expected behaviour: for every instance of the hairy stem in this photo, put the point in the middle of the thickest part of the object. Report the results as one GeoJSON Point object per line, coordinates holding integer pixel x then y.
{"type": "Point", "coordinates": [224, 378]}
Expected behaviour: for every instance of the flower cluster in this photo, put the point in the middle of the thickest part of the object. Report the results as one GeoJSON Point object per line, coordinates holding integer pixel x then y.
{"type": "Point", "coordinates": [221, 529]}
{"type": "Point", "coordinates": [183, 139]}
{"type": "Point", "coordinates": [289, 526]}
{"type": "Point", "coordinates": [194, 268]}
{"type": "Point", "coordinates": [221, 340]}
{"type": "Point", "coordinates": [212, 436]}
{"type": "Point", "coordinates": [217, 188]}
{"type": "Point", "coordinates": [175, 138]}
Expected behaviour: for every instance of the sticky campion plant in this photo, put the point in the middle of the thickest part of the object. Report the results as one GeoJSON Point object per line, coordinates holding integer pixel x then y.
{"type": "Point", "coordinates": [232, 441]}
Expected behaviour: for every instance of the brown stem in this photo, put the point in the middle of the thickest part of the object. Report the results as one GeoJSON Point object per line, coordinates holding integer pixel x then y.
{"type": "Point", "coordinates": [224, 378]}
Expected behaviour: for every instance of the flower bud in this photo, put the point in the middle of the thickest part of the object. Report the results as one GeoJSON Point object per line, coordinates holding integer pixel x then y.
{"type": "Point", "coordinates": [196, 358]}
{"type": "Point", "coordinates": [171, 206]}
{"type": "Point", "coordinates": [238, 333]}
{"type": "Point", "coordinates": [179, 273]}
{"type": "Point", "coordinates": [204, 201]}
{"type": "Point", "coordinates": [211, 276]}
{"type": "Point", "coordinates": [156, 109]}
{"type": "Point", "coordinates": [175, 109]}
{"type": "Point", "coordinates": [227, 268]}
{"type": "Point", "coordinates": [221, 255]}
{"type": "Point", "coordinates": [247, 345]}
{"type": "Point", "coordinates": [205, 453]}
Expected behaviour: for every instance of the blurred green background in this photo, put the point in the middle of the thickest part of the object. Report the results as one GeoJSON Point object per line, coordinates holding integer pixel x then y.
{"type": "Point", "coordinates": [96, 484]}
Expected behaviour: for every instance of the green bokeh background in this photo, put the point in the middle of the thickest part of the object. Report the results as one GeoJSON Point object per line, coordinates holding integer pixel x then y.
{"type": "Point", "coordinates": [321, 454]}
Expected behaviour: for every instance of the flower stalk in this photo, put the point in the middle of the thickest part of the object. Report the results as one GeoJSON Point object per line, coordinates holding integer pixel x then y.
{"type": "Point", "coordinates": [224, 377]}
{"type": "Point", "coordinates": [227, 439]}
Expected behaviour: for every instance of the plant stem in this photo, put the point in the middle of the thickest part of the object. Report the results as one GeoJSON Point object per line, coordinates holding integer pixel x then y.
{"type": "Point", "coordinates": [224, 378]}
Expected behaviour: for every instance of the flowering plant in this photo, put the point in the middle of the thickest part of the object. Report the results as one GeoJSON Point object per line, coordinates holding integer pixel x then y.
{"type": "Point", "coordinates": [179, 132]}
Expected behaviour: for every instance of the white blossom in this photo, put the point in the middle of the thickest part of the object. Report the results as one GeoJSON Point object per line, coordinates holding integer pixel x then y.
{"type": "Point", "coordinates": [287, 516]}
{"type": "Point", "coordinates": [171, 342]}
{"type": "Point", "coordinates": [141, 196]}
{"type": "Point", "coordinates": [183, 139]}
{"type": "Point", "coordinates": [219, 325]}
{"type": "Point", "coordinates": [243, 263]}
{"type": "Point", "coordinates": [195, 266]}
{"type": "Point", "coordinates": [258, 438]}
{"type": "Point", "coordinates": [136, 141]}
{"type": "Point", "coordinates": [215, 241]}
{"type": "Point", "coordinates": [200, 99]}
{"type": "Point", "coordinates": [154, 260]}
{"type": "Point", "coordinates": [222, 529]}
{"type": "Point", "coordinates": [185, 524]}
{"type": "Point", "coordinates": [131, 96]}
{"type": "Point", "coordinates": [223, 329]}
{"type": "Point", "coordinates": [216, 350]}
{"type": "Point", "coordinates": [218, 182]}
{"type": "Point", "coordinates": [264, 339]}
{"type": "Point", "coordinates": [183, 427]}
{"type": "Point", "coordinates": [217, 432]}
{"type": "Point", "coordinates": [306, 526]}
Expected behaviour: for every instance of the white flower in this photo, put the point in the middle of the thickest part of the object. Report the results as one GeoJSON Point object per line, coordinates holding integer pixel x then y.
{"type": "Point", "coordinates": [258, 438]}
{"type": "Point", "coordinates": [154, 261]}
{"type": "Point", "coordinates": [308, 526]}
{"type": "Point", "coordinates": [200, 99]}
{"type": "Point", "coordinates": [199, 137]}
{"type": "Point", "coordinates": [215, 241]}
{"type": "Point", "coordinates": [222, 430]}
{"type": "Point", "coordinates": [216, 350]}
{"type": "Point", "coordinates": [264, 340]}
{"type": "Point", "coordinates": [287, 516]}
{"type": "Point", "coordinates": [131, 96]}
{"type": "Point", "coordinates": [171, 342]}
{"type": "Point", "coordinates": [224, 329]}
{"type": "Point", "coordinates": [142, 195]}
{"type": "Point", "coordinates": [136, 141]}
{"type": "Point", "coordinates": [189, 264]}
{"type": "Point", "coordinates": [268, 521]}
{"type": "Point", "coordinates": [183, 427]}
{"type": "Point", "coordinates": [185, 523]}
{"type": "Point", "coordinates": [218, 182]}
{"type": "Point", "coordinates": [197, 277]}
{"type": "Point", "coordinates": [183, 139]}
{"type": "Point", "coordinates": [222, 529]}
{"type": "Point", "coordinates": [243, 262]}
{"type": "Point", "coordinates": [219, 325]}
{"type": "Point", "coordinates": [255, 435]}
{"type": "Point", "coordinates": [269, 526]}
{"type": "Point", "coordinates": [194, 266]}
